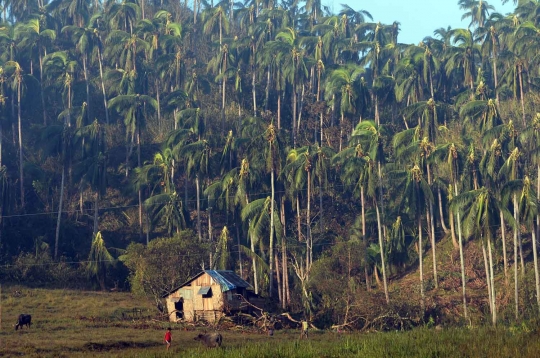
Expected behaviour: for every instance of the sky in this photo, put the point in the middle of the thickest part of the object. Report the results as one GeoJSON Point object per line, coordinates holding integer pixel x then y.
{"type": "Point", "coordinates": [418, 18]}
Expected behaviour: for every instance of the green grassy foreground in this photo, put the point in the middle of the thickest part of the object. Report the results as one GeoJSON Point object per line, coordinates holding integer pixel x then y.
{"type": "Point", "coordinates": [84, 324]}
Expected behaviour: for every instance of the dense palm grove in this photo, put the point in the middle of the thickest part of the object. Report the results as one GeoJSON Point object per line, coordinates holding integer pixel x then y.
{"type": "Point", "coordinates": [312, 152]}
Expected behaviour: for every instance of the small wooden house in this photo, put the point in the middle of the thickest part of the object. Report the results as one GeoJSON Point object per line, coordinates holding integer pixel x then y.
{"type": "Point", "coordinates": [210, 295]}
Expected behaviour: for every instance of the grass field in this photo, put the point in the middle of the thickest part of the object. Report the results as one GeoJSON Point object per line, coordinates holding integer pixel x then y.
{"type": "Point", "coordinates": [87, 324]}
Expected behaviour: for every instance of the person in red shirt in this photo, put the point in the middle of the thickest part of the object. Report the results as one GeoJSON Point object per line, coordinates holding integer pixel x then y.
{"type": "Point", "coordinates": [168, 337]}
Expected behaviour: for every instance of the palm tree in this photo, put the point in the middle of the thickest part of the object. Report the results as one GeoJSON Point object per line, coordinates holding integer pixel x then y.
{"type": "Point", "coordinates": [415, 193]}
{"type": "Point", "coordinates": [481, 218]}
{"type": "Point", "coordinates": [17, 77]}
{"type": "Point", "coordinates": [345, 82]}
{"type": "Point", "coordinates": [477, 11]}
{"type": "Point", "coordinates": [491, 46]}
{"type": "Point", "coordinates": [463, 57]}
{"type": "Point", "coordinates": [197, 156]}
{"type": "Point", "coordinates": [92, 169]}
{"type": "Point", "coordinates": [453, 156]}
{"type": "Point", "coordinates": [123, 15]}
{"type": "Point", "coordinates": [528, 207]}
{"type": "Point", "coordinates": [99, 259]}
{"type": "Point", "coordinates": [83, 38]}
{"type": "Point", "coordinates": [60, 70]}
{"type": "Point", "coordinates": [273, 165]}
{"type": "Point", "coordinates": [509, 170]}
{"type": "Point", "coordinates": [34, 36]}
{"type": "Point", "coordinates": [164, 204]}
{"type": "Point", "coordinates": [58, 141]}
{"type": "Point", "coordinates": [356, 171]}
{"type": "Point", "coordinates": [134, 108]}
{"type": "Point", "coordinates": [369, 134]}
{"type": "Point", "coordinates": [294, 63]}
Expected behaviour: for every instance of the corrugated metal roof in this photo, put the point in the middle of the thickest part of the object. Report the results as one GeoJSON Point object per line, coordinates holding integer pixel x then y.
{"type": "Point", "coordinates": [227, 279]}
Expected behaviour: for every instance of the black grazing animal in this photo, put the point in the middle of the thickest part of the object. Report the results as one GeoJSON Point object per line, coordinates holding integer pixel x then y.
{"type": "Point", "coordinates": [211, 340]}
{"type": "Point", "coordinates": [24, 319]}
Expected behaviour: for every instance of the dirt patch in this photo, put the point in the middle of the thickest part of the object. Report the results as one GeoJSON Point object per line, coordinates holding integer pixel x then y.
{"type": "Point", "coordinates": [110, 345]}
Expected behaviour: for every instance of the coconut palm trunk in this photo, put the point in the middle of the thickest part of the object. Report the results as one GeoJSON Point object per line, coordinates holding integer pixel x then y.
{"type": "Point", "coordinates": [503, 239]}
{"type": "Point", "coordinates": [520, 75]}
{"type": "Point", "coordinates": [441, 214]}
{"type": "Point", "coordinates": [59, 216]}
{"type": "Point", "coordinates": [536, 274]}
{"type": "Point", "coordinates": [421, 267]}
{"type": "Point", "coordinates": [516, 293]}
{"type": "Point", "coordinates": [41, 88]}
{"type": "Point", "coordinates": [271, 249]}
{"type": "Point", "coordinates": [19, 122]}
{"type": "Point", "coordinates": [493, 296]}
{"type": "Point", "coordinates": [488, 280]}
{"type": "Point", "coordinates": [100, 61]}
{"type": "Point", "coordinates": [87, 82]}
{"type": "Point", "coordinates": [197, 189]}
{"type": "Point", "coordinates": [381, 248]}
{"type": "Point", "coordinates": [362, 202]}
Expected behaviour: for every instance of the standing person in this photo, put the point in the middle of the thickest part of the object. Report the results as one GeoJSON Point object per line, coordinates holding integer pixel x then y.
{"type": "Point", "coordinates": [304, 332]}
{"type": "Point", "coordinates": [167, 338]}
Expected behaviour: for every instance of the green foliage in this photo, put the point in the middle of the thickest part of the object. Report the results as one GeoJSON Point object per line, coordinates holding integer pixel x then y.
{"type": "Point", "coordinates": [164, 264]}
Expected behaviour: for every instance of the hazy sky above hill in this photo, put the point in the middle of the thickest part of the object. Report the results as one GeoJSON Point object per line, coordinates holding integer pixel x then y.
{"type": "Point", "coordinates": [418, 18]}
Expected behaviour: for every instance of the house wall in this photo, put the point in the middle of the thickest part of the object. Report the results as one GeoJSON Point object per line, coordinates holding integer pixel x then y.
{"type": "Point", "coordinates": [195, 305]}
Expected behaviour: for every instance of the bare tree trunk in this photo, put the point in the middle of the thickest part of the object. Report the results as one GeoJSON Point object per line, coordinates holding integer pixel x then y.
{"type": "Point", "coordinates": [267, 91]}
{"type": "Point", "coordinates": [488, 280]}
{"type": "Point", "coordinates": [59, 217]}
{"type": "Point", "coordinates": [199, 233]}
{"type": "Point", "coordinates": [381, 248]}
{"type": "Point", "coordinates": [536, 274]}
{"type": "Point", "coordinates": [443, 224]}
{"type": "Point", "coordinates": [280, 293]}
{"type": "Point", "coordinates": [452, 230]}
{"type": "Point", "coordinates": [421, 259]}
{"type": "Point", "coordinates": [158, 99]}
{"type": "Point", "coordinates": [309, 240]}
{"type": "Point", "coordinates": [96, 213]}
{"type": "Point", "coordinates": [100, 60]}
{"type": "Point", "coordinates": [271, 264]}
{"type": "Point", "coordinates": [279, 111]}
{"type": "Point", "coordinates": [503, 239]}
{"type": "Point", "coordinates": [285, 287]}
{"type": "Point", "coordinates": [493, 301]}
{"type": "Point", "coordinates": [85, 71]}
{"type": "Point", "coordinates": [363, 204]}
{"type": "Point", "coordinates": [516, 294]}
{"type": "Point", "coordinates": [521, 94]}
{"type": "Point", "coordinates": [461, 259]}
{"type": "Point", "coordinates": [41, 87]}
{"type": "Point", "coordinates": [254, 263]}
{"type": "Point", "coordinates": [21, 176]}
{"type": "Point", "coordinates": [298, 222]}
{"type": "Point", "coordinates": [254, 91]}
